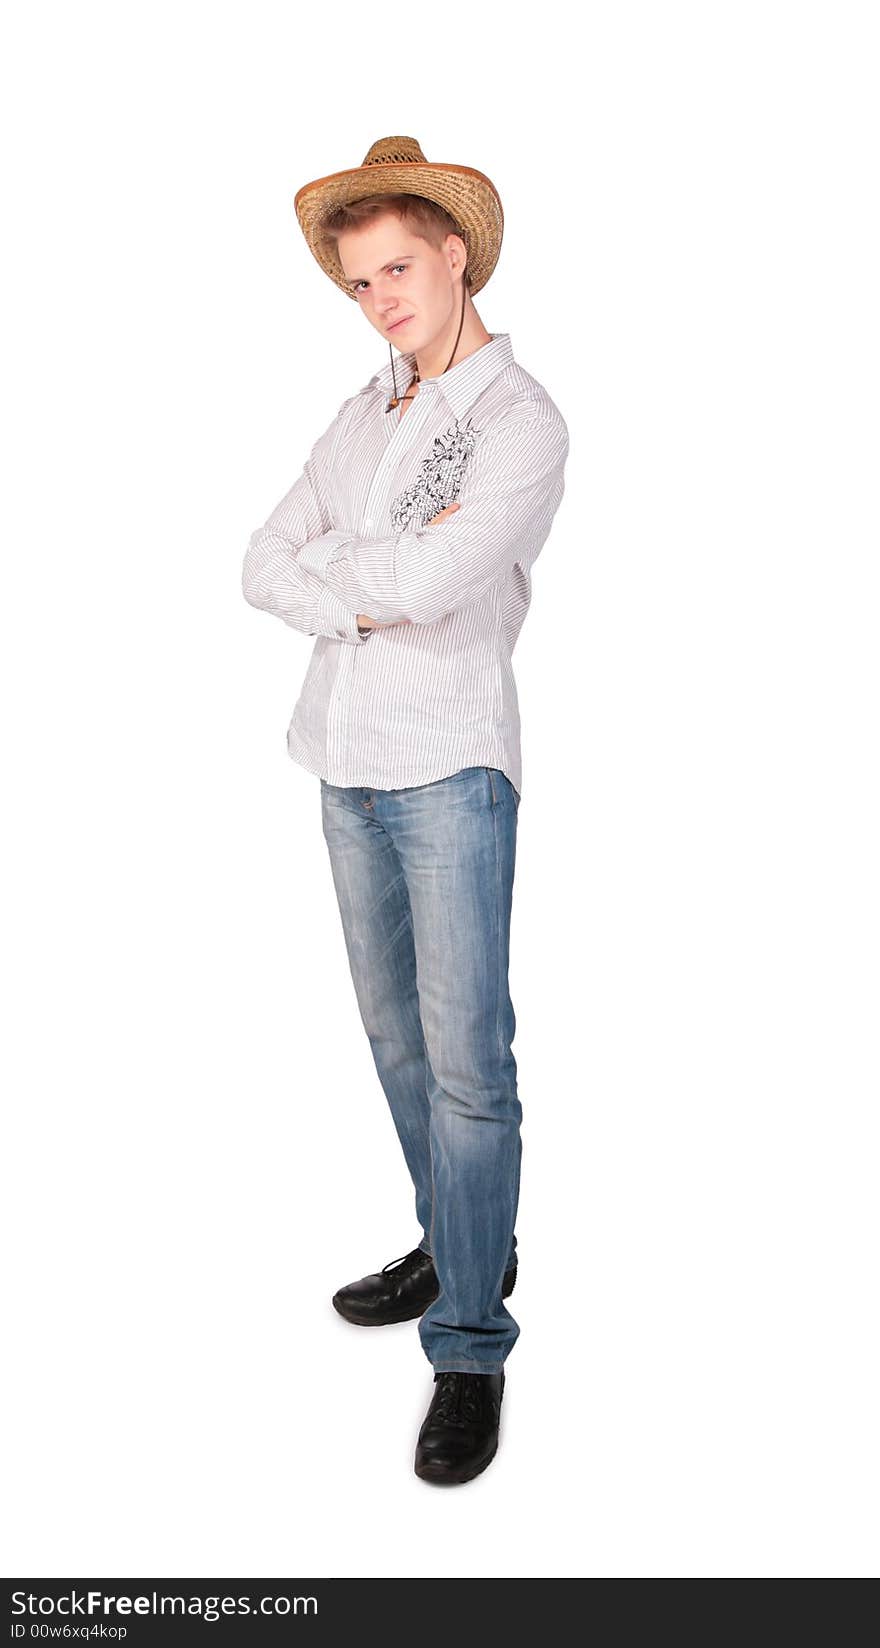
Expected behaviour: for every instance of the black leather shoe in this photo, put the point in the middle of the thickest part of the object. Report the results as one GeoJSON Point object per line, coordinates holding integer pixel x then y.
{"type": "Point", "coordinates": [398, 1294]}
{"type": "Point", "coordinates": [459, 1435]}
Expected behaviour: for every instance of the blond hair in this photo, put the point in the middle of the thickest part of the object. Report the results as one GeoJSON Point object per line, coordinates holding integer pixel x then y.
{"type": "Point", "coordinates": [425, 218]}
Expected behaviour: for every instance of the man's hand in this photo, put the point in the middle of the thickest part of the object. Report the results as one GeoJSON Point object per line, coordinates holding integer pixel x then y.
{"type": "Point", "coordinates": [370, 623]}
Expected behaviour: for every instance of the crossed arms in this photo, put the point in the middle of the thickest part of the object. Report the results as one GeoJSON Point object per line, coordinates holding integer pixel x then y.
{"type": "Point", "coordinates": [318, 579]}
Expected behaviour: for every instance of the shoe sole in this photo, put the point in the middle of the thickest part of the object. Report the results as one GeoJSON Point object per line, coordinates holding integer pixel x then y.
{"type": "Point", "coordinates": [360, 1320]}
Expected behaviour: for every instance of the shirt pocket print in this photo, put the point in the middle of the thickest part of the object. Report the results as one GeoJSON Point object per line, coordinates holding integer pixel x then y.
{"type": "Point", "coordinates": [438, 481]}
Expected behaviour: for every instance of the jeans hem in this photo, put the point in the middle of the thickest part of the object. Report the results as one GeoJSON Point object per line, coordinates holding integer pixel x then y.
{"type": "Point", "coordinates": [462, 1365]}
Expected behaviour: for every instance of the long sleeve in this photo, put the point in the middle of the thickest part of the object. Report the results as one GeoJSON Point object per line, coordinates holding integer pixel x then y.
{"type": "Point", "coordinates": [509, 496]}
{"type": "Point", "coordinates": [274, 578]}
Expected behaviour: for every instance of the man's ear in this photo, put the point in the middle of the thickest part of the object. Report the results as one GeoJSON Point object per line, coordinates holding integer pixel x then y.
{"type": "Point", "coordinates": [460, 247]}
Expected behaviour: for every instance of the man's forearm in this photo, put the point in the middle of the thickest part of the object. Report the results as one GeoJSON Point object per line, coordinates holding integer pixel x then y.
{"type": "Point", "coordinates": [274, 580]}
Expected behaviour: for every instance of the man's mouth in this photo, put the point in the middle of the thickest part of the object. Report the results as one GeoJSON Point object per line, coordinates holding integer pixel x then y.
{"type": "Point", "coordinates": [399, 323]}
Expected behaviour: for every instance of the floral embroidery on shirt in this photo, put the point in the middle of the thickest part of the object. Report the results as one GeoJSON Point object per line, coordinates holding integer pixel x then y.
{"type": "Point", "coordinates": [438, 481]}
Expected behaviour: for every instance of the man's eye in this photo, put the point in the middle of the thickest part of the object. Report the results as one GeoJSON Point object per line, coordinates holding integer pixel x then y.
{"type": "Point", "coordinates": [392, 266]}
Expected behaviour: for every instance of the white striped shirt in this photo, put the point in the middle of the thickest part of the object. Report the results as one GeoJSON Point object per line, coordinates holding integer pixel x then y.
{"type": "Point", "coordinates": [416, 701]}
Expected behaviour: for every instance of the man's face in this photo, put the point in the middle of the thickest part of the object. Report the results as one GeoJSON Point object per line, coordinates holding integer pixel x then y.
{"type": "Point", "coordinates": [398, 277]}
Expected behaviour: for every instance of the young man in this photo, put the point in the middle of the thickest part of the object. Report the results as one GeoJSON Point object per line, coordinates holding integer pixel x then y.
{"type": "Point", "coordinates": [406, 548]}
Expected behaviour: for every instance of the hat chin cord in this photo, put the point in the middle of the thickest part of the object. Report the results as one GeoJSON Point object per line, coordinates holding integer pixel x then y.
{"type": "Point", "coordinates": [397, 399]}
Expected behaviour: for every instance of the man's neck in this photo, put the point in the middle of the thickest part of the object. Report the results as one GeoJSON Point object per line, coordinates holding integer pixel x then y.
{"type": "Point", "coordinates": [436, 361]}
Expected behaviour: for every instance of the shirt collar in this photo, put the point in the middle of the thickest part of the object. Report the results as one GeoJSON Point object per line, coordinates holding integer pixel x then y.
{"type": "Point", "coordinates": [463, 382]}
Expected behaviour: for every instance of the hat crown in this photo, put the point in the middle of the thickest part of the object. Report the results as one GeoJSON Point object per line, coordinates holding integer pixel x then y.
{"type": "Point", "coordinates": [394, 151]}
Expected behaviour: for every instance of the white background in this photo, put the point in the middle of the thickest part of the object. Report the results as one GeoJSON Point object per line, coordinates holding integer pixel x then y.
{"type": "Point", "coordinates": [198, 1150]}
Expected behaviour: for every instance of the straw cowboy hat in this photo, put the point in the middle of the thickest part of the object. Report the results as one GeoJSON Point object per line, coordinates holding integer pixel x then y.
{"type": "Point", "coordinates": [396, 165]}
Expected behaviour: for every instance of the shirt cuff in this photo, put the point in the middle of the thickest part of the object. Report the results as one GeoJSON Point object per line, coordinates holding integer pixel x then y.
{"type": "Point", "coordinates": [315, 556]}
{"type": "Point", "coordinates": [334, 618]}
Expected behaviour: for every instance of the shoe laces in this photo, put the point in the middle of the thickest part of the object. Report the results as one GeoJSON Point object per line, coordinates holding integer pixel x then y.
{"type": "Point", "coordinates": [408, 1261]}
{"type": "Point", "coordinates": [458, 1402]}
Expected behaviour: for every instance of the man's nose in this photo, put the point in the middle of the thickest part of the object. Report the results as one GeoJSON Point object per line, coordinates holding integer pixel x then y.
{"type": "Point", "coordinates": [386, 300]}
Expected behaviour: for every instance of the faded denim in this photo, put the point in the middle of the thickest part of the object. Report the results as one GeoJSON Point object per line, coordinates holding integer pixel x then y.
{"type": "Point", "coordinates": [424, 882]}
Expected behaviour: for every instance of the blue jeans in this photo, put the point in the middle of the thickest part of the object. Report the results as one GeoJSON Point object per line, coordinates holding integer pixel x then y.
{"type": "Point", "coordinates": [424, 882]}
